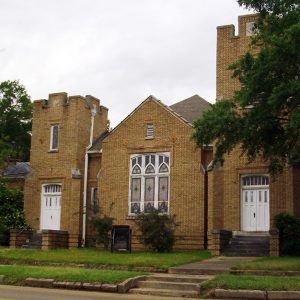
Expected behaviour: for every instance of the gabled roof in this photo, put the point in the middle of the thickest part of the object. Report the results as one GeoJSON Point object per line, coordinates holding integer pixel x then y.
{"type": "Point", "coordinates": [191, 108]}
{"type": "Point", "coordinates": [20, 169]}
{"type": "Point", "coordinates": [152, 98]}
{"type": "Point", "coordinates": [97, 143]}
{"type": "Point", "coordinates": [187, 111]}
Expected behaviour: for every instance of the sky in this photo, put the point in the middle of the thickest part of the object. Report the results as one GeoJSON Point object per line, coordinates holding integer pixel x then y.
{"type": "Point", "coordinates": [120, 51]}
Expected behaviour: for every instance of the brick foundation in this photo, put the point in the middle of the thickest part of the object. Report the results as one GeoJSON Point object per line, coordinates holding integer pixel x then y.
{"type": "Point", "coordinates": [18, 237]}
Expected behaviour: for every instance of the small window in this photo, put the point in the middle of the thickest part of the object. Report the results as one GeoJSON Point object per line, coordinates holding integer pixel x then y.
{"type": "Point", "coordinates": [250, 28]}
{"type": "Point", "coordinates": [54, 137]}
{"type": "Point", "coordinates": [255, 180]}
{"type": "Point", "coordinates": [94, 200]}
{"type": "Point", "coordinates": [150, 131]}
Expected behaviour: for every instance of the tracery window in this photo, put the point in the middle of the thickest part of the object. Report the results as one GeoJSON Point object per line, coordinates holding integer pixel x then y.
{"type": "Point", "coordinates": [149, 182]}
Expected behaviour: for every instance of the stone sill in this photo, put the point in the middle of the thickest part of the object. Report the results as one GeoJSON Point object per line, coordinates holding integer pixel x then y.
{"type": "Point", "coordinates": [53, 151]}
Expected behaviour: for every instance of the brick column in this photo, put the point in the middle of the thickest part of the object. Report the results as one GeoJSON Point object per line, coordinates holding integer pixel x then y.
{"type": "Point", "coordinates": [54, 239]}
{"type": "Point", "coordinates": [274, 242]}
{"type": "Point", "coordinates": [217, 240]}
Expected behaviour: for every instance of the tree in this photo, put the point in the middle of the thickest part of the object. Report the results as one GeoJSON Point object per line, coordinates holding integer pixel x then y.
{"type": "Point", "coordinates": [15, 121]}
{"type": "Point", "coordinates": [11, 212]}
{"type": "Point", "coordinates": [263, 117]}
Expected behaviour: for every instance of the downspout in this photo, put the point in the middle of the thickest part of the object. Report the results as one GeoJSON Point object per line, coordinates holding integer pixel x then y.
{"type": "Point", "coordinates": [86, 166]}
{"type": "Point", "coordinates": [205, 210]}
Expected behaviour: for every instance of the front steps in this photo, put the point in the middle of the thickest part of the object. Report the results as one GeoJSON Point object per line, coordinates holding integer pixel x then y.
{"type": "Point", "coordinates": [173, 285]}
{"type": "Point", "coordinates": [248, 244]}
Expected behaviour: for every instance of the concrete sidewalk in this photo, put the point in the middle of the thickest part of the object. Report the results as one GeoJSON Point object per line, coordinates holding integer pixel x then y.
{"type": "Point", "coordinates": [217, 265]}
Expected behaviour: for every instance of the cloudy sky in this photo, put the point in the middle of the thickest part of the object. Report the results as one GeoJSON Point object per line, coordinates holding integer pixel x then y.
{"type": "Point", "coordinates": [120, 51]}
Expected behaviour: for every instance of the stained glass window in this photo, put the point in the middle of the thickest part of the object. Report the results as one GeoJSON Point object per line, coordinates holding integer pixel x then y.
{"type": "Point", "coordinates": [150, 169]}
{"type": "Point", "coordinates": [136, 170]}
{"type": "Point", "coordinates": [163, 168]}
{"type": "Point", "coordinates": [149, 189]}
{"type": "Point", "coordinates": [135, 195]}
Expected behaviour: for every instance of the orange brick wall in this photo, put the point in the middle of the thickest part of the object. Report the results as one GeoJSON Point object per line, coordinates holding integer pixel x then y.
{"type": "Point", "coordinates": [73, 116]}
{"type": "Point", "coordinates": [186, 184]}
{"type": "Point", "coordinates": [230, 47]}
{"type": "Point", "coordinates": [224, 208]}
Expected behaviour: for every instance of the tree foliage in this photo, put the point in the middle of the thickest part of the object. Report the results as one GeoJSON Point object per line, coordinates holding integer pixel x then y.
{"type": "Point", "coordinates": [263, 117]}
{"type": "Point", "coordinates": [11, 212]}
{"type": "Point", "coordinates": [15, 121]}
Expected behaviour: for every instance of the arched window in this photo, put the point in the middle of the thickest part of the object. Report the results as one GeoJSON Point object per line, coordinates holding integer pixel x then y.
{"type": "Point", "coordinates": [149, 182]}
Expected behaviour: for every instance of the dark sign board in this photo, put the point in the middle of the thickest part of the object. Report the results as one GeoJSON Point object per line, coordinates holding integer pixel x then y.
{"type": "Point", "coordinates": [121, 238]}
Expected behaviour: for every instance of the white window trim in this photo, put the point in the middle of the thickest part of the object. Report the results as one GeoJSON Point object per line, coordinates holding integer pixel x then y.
{"type": "Point", "coordinates": [143, 175]}
{"type": "Point", "coordinates": [51, 137]}
{"type": "Point", "coordinates": [248, 187]}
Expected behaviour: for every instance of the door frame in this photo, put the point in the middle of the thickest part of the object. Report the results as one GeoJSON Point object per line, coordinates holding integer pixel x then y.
{"type": "Point", "coordinates": [41, 203]}
{"type": "Point", "coordinates": [256, 188]}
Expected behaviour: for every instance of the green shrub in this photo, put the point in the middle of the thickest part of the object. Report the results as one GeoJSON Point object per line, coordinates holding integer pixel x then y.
{"type": "Point", "coordinates": [289, 233]}
{"type": "Point", "coordinates": [103, 226]}
{"type": "Point", "coordinates": [157, 230]}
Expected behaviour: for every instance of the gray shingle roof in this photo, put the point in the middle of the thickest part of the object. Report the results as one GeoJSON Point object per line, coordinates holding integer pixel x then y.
{"type": "Point", "coordinates": [191, 108]}
{"type": "Point", "coordinates": [18, 170]}
{"type": "Point", "coordinates": [97, 143]}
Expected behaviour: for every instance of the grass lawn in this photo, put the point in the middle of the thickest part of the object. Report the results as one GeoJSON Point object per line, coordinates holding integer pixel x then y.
{"type": "Point", "coordinates": [290, 263]}
{"type": "Point", "coordinates": [252, 282]}
{"type": "Point", "coordinates": [94, 256]}
{"type": "Point", "coordinates": [16, 272]}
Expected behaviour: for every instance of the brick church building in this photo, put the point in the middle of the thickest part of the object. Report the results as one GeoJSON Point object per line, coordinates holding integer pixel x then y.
{"type": "Point", "coordinates": [149, 160]}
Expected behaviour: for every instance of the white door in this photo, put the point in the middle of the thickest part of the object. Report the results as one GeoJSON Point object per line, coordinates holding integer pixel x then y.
{"type": "Point", "coordinates": [51, 206]}
{"type": "Point", "coordinates": [255, 204]}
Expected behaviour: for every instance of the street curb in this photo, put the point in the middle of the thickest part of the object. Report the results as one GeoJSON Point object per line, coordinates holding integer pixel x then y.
{"type": "Point", "coordinates": [256, 294]}
{"type": "Point", "coordinates": [122, 287]}
{"type": "Point", "coordinates": [129, 283]}
{"type": "Point", "coordinates": [84, 266]}
{"type": "Point", "coordinates": [265, 272]}
{"type": "Point", "coordinates": [240, 294]}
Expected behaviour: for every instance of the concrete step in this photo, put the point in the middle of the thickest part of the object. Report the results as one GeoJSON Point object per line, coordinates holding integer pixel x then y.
{"type": "Point", "coordinates": [165, 285]}
{"type": "Point", "coordinates": [253, 240]}
{"type": "Point", "coordinates": [245, 253]}
{"type": "Point", "coordinates": [199, 271]}
{"type": "Point", "coordinates": [243, 246]}
{"type": "Point", "coordinates": [165, 292]}
{"type": "Point", "coordinates": [178, 278]}
{"type": "Point", "coordinates": [247, 245]}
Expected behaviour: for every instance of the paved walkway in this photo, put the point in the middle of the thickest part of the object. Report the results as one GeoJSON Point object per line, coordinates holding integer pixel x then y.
{"type": "Point", "coordinates": [220, 264]}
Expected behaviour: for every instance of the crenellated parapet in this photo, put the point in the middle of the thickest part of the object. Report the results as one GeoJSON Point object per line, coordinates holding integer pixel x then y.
{"type": "Point", "coordinates": [231, 45]}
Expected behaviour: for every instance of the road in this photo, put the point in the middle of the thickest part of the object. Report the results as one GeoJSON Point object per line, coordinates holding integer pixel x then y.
{"type": "Point", "coordinates": [8, 292]}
